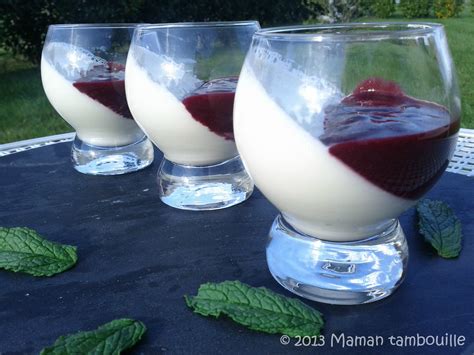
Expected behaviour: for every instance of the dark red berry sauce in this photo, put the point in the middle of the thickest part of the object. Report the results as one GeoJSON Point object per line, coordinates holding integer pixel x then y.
{"type": "Point", "coordinates": [105, 84]}
{"type": "Point", "coordinates": [212, 105]}
{"type": "Point", "coordinates": [398, 143]}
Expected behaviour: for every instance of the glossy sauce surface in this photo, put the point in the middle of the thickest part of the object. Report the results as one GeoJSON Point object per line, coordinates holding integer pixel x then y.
{"type": "Point", "coordinates": [105, 84]}
{"type": "Point", "coordinates": [212, 105]}
{"type": "Point", "coordinates": [398, 143]}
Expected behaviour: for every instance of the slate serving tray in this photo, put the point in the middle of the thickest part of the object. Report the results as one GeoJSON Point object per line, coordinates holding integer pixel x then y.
{"type": "Point", "coordinates": [138, 257]}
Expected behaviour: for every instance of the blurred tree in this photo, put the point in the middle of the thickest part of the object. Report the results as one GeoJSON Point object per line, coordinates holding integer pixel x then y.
{"type": "Point", "coordinates": [414, 9]}
{"type": "Point", "coordinates": [383, 8]}
{"type": "Point", "coordinates": [337, 10]}
{"type": "Point", "coordinates": [448, 8]}
{"type": "Point", "coordinates": [22, 27]}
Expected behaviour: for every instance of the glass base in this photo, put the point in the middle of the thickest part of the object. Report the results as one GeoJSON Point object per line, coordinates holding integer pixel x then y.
{"type": "Point", "coordinates": [201, 188]}
{"type": "Point", "coordinates": [94, 160]}
{"type": "Point", "coordinates": [346, 273]}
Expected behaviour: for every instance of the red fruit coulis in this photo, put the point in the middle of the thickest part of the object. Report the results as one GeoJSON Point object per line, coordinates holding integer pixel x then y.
{"type": "Point", "coordinates": [212, 105]}
{"type": "Point", "coordinates": [105, 84]}
{"type": "Point", "coordinates": [398, 143]}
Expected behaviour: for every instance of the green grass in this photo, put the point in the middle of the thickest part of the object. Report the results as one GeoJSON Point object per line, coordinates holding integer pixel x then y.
{"type": "Point", "coordinates": [26, 113]}
{"type": "Point", "coordinates": [24, 109]}
{"type": "Point", "coordinates": [460, 32]}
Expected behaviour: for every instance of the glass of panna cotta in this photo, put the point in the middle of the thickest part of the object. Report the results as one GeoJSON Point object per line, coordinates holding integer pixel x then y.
{"type": "Point", "coordinates": [82, 70]}
{"type": "Point", "coordinates": [180, 83]}
{"type": "Point", "coordinates": [343, 128]}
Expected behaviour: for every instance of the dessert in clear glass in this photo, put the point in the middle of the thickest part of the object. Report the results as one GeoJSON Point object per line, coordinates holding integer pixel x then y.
{"type": "Point", "coordinates": [180, 85]}
{"type": "Point", "coordinates": [343, 128]}
{"type": "Point", "coordinates": [82, 70]}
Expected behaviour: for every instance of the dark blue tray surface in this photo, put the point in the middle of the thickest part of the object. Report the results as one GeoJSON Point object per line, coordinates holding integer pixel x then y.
{"type": "Point", "coordinates": [138, 257]}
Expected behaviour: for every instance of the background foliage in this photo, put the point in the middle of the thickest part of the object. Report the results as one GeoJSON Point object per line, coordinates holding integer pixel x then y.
{"type": "Point", "coordinates": [447, 8]}
{"type": "Point", "coordinates": [383, 8]}
{"type": "Point", "coordinates": [23, 24]}
{"type": "Point", "coordinates": [415, 9]}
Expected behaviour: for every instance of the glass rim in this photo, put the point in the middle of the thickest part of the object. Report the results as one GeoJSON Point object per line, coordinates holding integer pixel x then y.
{"type": "Point", "coordinates": [366, 30]}
{"type": "Point", "coordinates": [210, 24]}
{"type": "Point", "coordinates": [94, 25]}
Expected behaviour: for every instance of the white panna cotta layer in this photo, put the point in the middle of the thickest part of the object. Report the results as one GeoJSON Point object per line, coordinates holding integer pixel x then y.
{"type": "Point", "coordinates": [165, 120]}
{"type": "Point", "coordinates": [316, 193]}
{"type": "Point", "coordinates": [94, 123]}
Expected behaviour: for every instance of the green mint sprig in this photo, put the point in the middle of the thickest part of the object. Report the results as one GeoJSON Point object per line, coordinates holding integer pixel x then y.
{"type": "Point", "coordinates": [109, 339]}
{"type": "Point", "coordinates": [24, 250]}
{"type": "Point", "coordinates": [440, 227]}
{"type": "Point", "coordinates": [256, 308]}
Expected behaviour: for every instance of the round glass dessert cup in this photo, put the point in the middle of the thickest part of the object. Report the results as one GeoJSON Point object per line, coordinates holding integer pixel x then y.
{"type": "Point", "coordinates": [343, 128]}
{"type": "Point", "coordinates": [180, 84]}
{"type": "Point", "coordinates": [82, 70]}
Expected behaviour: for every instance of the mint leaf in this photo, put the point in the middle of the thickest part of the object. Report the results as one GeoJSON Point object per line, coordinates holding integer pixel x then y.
{"type": "Point", "coordinates": [440, 227]}
{"type": "Point", "coordinates": [110, 338]}
{"type": "Point", "coordinates": [256, 308]}
{"type": "Point", "coordinates": [24, 250]}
